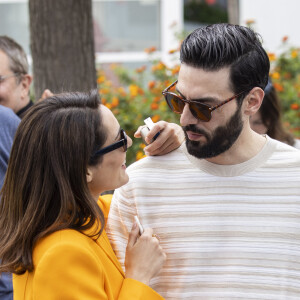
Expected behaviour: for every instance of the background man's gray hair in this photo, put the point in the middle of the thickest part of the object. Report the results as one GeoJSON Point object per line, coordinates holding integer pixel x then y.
{"type": "Point", "coordinates": [17, 57]}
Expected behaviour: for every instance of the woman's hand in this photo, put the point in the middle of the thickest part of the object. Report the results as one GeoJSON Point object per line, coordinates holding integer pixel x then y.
{"type": "Point", "coordinates": [144, 256]}
{"type": "Point", "coordinates": [170, 138]}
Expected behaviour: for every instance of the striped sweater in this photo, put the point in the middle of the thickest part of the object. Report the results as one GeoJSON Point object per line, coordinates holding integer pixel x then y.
{"type": "Point", "coordinates": [229, 232]}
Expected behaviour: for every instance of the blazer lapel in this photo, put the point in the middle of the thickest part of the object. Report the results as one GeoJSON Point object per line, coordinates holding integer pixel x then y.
{"type": "Point", "coordinates": [104, 243]}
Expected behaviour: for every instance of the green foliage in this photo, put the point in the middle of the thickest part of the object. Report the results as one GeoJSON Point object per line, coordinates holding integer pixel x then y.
{"type": "Point", "coordinates": [134, 98]}
{"type": "Point", "coordinates": [285, 74]}
{"type": "Point", "coordinates": [201, 12]}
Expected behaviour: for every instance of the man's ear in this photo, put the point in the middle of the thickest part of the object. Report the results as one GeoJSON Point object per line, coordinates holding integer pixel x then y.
{"type": "Point", "coordinates": [89, 175]}
{"type": "Point", "coordinates": [25, 84]}
{"type": "Point", "coordinates": [253, 101]}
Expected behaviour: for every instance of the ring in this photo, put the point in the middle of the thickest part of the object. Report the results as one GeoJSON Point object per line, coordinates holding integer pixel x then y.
{"type": "Point", "coordinates": [156, 236]}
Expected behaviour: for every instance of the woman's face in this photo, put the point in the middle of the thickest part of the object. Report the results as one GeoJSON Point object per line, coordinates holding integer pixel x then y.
{"type": "Point", "coordinates": [111, 172]}
{"type": "Point", "coordinates": [257, 124]}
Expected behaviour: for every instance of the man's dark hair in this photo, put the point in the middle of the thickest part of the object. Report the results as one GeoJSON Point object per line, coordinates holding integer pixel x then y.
{"type": "Point", "coordinates": [224, 45]}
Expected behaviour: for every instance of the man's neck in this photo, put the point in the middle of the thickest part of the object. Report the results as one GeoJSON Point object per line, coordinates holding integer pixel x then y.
{"type": "Point", "coordinates": [24, 109]}
{"type": "Point", "coordinates": [248, 144]}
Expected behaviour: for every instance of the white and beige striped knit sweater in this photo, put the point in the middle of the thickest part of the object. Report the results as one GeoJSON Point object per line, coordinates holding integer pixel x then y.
{"type": "Point", "coordinates": [229, 232]}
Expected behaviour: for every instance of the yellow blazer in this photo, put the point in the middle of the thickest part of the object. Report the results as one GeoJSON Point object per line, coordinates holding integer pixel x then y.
{"type": "Point", "coordinates": [69, 265]}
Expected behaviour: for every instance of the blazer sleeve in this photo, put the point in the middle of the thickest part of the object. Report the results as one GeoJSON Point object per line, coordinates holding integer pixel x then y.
{"type": "Point", "coordinates": [70, 271]}
{"type": "Point", "coordinates": [67, 271]}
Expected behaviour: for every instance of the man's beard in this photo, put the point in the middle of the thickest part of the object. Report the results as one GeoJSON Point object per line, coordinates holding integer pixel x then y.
{"type": "Point", "coordinates": [219, 141]}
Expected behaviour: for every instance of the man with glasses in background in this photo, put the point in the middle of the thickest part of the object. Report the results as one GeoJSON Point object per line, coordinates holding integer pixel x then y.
{"type": "Point", "coordinates": [14, 78]}
{"type": "Point", "coordinates": [226, 204]}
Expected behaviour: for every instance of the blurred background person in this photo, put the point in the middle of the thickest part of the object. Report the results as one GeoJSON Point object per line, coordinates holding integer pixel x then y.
{"type": "Point", "coordinates": [8, 125]}
{"type": "Point", "coordinates": [14, 78]}
{"type": "Point", "coordinates": [268, 119]}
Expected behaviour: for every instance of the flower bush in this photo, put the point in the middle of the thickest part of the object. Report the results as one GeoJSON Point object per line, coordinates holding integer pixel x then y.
{"type": "Point", "coordinates": [285, 75]}
{"type": "Point", "coordinates": [135, 96]}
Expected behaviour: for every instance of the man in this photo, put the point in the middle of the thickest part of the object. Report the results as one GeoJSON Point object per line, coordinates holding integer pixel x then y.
{"type": "Point", "coordinates": [8, 126]}
{"type": "Point", "coordinates": [14, 78]}
{"type": "Point", "coordinates": [226, 204]}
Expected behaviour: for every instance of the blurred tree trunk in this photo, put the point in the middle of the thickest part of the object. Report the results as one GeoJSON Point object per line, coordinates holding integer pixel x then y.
{"type": "Point", "coordinates": [62, 45]}
{"type": "Point", "coordinates": [233, 11]}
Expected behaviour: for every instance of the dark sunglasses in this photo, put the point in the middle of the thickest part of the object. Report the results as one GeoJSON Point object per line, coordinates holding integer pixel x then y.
{"type": "Point", "coordinates": [199, 110]}
{"type": "Point", "coordinates": [121, 143]}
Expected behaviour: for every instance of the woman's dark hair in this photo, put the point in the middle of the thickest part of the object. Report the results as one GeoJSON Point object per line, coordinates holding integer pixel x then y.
{"type": "Point", "coordinates": [270, 111]}
{"type": "Point", "coordinates": [45, 188]}
{"type": "Point", "coordinates": [224, 45]}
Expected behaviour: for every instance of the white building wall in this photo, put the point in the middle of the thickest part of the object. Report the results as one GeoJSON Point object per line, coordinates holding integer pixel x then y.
{"type": "Point", "coordinates": [274, 19]}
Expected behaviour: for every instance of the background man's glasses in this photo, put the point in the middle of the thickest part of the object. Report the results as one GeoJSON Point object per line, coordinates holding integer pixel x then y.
{"type": "Point", "coordinates": [3, 78]}
{"type": "Point", "coordinates": [121, 143]}
{"type": "Point", "coordinates": [199, 110]}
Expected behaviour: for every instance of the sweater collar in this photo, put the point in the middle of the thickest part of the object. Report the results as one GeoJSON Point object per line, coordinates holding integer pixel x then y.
{"type": "Point", "coordinates": [237, 169]}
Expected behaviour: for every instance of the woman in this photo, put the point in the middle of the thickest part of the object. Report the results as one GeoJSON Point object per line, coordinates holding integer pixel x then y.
{"type": "Point", "coordinates": [268, 119]}
{"type": "Point", "coordinates": [67, 150]}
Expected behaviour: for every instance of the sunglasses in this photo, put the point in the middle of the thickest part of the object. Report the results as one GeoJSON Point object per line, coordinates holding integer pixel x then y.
{"type": "Point", "coordinates": [121, 143]}
{"type": "Point", "coordinates": [199, 110]}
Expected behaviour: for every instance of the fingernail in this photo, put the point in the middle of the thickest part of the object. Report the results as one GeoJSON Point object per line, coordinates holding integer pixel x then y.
{"type": "Point", "coordinates": [134, 225]}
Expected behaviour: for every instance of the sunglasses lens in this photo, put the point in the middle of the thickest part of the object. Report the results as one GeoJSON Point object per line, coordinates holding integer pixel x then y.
{"type": "Point", "coordinates": [124, 137]}
{"type": "Point", "coordinates": [175, 103]}
{"type": "Point", "coordinates": [200, 112]}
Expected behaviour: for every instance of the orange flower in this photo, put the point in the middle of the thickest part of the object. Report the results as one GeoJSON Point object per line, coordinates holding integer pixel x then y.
{"type": "Point", "coordinates": [114, 101]}
{"type": "Point", "coordinates": [272, 56]}
{"type": "Point", "coordinates": [121, 91]}
{"type": "Point", "coordinates": [103, 100]}
{"type": "Point", "coordinates": [250, 22]}
{"type": "Point", "coordinates": [133, 89]}
{"type": "Point", "coordinates": [104, 91]}
{"type": "Point", "coordinates": [108, 105]}
{"type": "Point", "coordinates": [100, 79]}
{"type": "Point", "coordinates": [140, 155]}
{"type": "Point", "coordinates": [278, 87]}
{"type": "Point", "coordinates": [175, 70]}
{"type": "Point", "coordinates": [275, 75]}
{"type": "Point", "coordinates": [150, 50]}
{"type": "Point", "coordinates": [158, 66]}
{"type": "Point", "coordinates": [140, 69]}
{"type": "Point", "coordinates": [173, 51]}
{"type": "Point", "coordinates": [155, 118]}
{"type": "Point", "coordinates": [295, 106]}
{"type": "Point", "coordinates": [151, 84]}
{"type": "Point", "coordinates": [154, 106]}
{"type": "Point", "coordinates": [142, 145]}
{"type": "Point", "coordinates": [285, 38]}
{"type": "Point", "coordinates": [156, 99]}
{"type": "Point", "coordinates": [141, 91]}
{"type": "Point", "coordinates": [294, 53]}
